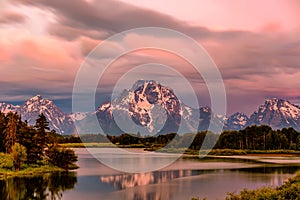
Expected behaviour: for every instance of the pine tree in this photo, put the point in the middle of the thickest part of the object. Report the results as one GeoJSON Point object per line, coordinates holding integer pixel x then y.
{"type": "Point", "coordinates": [2, 128]}
{"type": "Point", "coordinates": [42, 124]}
{"type": "Point", "coordinates": [40, 137]}
{"type": "Point", "coordinates": [10, 131]}
{"type": "Point", "coordinates": [25, 137]}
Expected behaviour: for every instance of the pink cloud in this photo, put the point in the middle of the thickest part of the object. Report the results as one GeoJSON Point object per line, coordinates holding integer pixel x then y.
{"type": "Point", "coordinates": [38, 61]}
{"type": "Point", "coordinates": [255, 44]}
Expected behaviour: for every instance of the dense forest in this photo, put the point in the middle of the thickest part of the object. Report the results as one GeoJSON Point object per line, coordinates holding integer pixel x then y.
{"type": "Point", "coordinates": [25, 144]}
{"type": "Point", "coordinates": [251, 138]}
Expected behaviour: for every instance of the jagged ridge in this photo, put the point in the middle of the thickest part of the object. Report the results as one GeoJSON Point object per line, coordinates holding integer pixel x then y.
{"type": "Point", "coordinates": [155, 108]}
{"type": "Point", "coordinates": [29, 111]}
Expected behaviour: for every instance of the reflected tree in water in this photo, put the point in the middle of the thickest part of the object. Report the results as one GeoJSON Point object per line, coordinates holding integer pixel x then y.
{"type": "Point", "coordinates": [47, 186]}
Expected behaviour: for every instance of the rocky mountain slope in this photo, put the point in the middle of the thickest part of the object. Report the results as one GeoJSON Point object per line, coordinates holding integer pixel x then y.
{"type": "Point", "coordinates": [29, 111]}
{"type": "Point", "coordinates": [277, 113]}
{"type": "Point", "coordinates": [151, 108]}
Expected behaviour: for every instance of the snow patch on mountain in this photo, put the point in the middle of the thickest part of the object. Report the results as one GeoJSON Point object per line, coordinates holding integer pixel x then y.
{"type": "Point", "coordinates": [30, 110]}
{"type": "Point", "coordinates": [237, 121]}
{"type": "Point", "coordinates": [6, 107]}
{"type": "Point", "coordinates": [59, 121]}
{"type": "Point", "coordinates": [277, 113]}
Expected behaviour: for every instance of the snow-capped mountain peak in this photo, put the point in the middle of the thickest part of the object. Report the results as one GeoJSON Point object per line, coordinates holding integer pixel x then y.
{"type": "Point", "coordinates": [237, 121]}
{"type": "Point", "coordinates": [277, 113]}
{"type": "Point", "coordinates": [37, 97]}
{"type": "Point", "coordinates": [36, 105]}
{"type": "Point", "coordinates": [6, 107]}
{"type": "Point", "coordinates": [156, 108]}
{"type": "Point", "coordinates": [146, 104]}
{"type": "Point", "coordinates": [149, 94]}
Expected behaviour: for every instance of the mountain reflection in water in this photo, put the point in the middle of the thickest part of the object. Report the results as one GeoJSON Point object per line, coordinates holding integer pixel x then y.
{"type": "Point", "coordinates": [124, 181]}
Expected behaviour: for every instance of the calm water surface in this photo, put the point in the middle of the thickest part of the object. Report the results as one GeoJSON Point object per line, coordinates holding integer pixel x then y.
{"type": "Point", "coordinates": [184, 179]}
{"type": "Point", "coordinates": [211, 178]}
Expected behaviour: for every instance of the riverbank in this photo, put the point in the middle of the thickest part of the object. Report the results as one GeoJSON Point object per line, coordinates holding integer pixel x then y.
{"type": "Point", "coordinates": [8, 167]}
{"type": "Point", "coordinates": [289, 190]}
{"type": "Point", "coordinates": [231, 152]}
{"type": "Point", "coordinates": [29, 171]}
{"type": "Point", "coordinates": [221, 152]}
{"type": "Point", "coordinates": [264, 156]}
{"type": "Point", "coordinates": [99, 145]}
{"type": "Point", "coordinates": [87, 145]}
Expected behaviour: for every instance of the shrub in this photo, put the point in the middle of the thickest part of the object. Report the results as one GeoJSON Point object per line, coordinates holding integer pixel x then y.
{"type": "Point", "coordinates": [6, 161]}
{"type": "Point", "coordinates": [62, 157]}
{"type": "Point", "coordinates": [19, 155]}
{"type": "Point", "coordinates": [289, 190]}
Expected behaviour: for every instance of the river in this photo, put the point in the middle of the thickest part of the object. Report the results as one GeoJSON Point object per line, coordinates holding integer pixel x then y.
{"type": "Point", "coordinates": [212, 178]}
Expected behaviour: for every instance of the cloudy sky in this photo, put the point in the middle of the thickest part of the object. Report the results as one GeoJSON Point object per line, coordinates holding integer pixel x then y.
{"type": "Point", "coordinates": [255, 44]}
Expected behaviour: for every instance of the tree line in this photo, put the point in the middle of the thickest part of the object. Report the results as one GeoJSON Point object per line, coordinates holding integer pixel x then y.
{"type": "Point", "coordinates": [251, 138]}
{"type": "Point", "coordinates": [29, 144]}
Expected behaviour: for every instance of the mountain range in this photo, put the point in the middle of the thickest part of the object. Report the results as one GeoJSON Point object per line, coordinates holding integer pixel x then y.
{"type": "Point", "coordinates": [149, 107]}
{"type": "Point", "coordinates": [59, 121]}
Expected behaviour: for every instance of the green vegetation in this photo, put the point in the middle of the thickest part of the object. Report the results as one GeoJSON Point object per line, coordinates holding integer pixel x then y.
{"type": "Point", "coordinates": [85, 138]}
{"type": "Point", "coordinates": [6, 161]}
{"type": "Point", "coordinates": [62, 157]}
{"type": "Point", "coordinates": [19, 155]}
{"type": "Point", "coordinates": [260, 138]}
{"type": "Point", "coordinates": [289, 190]}
{"type": "Point", "coordinates": [28, 170]}
{"type": "Point", "coordinates": [28, 149]}
{"type": "Point", "coordinates": [88, 144]}
{"type": "Point", "coordinates": [151, 143]}
{"type": "Point", "coordinates": [251, 140]}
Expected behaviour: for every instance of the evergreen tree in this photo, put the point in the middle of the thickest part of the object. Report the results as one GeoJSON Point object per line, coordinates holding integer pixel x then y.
{"type": "Point", "coordinates": [2, 128]}
{"type": "Point", "coordinates": [298, 142]}
{"type": "Point", "coordinates": [27, 138]}
{"type": "Point", "coordinates": [40, 137]}
{"type": "Point", "coordinates": [42, 124]}
{"type": "Point", "coordinates": [10, 131]}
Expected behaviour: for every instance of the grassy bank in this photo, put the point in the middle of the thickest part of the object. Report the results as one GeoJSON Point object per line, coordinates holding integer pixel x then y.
{"type": "Point", "coordinates": [99, 145]}
{"type": "Point", "coordinates": [229, 152]}
{"type": "Point", "coordinates": [7, 168]}
{"type": "Point", "coordinates": [84, 145]}
{"type": "Point", "coordinates": [157, 148]}
{"type": "Point", "coordinates": [289, 190]}
{"type": "Point", "coordinates": [29, 171]}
